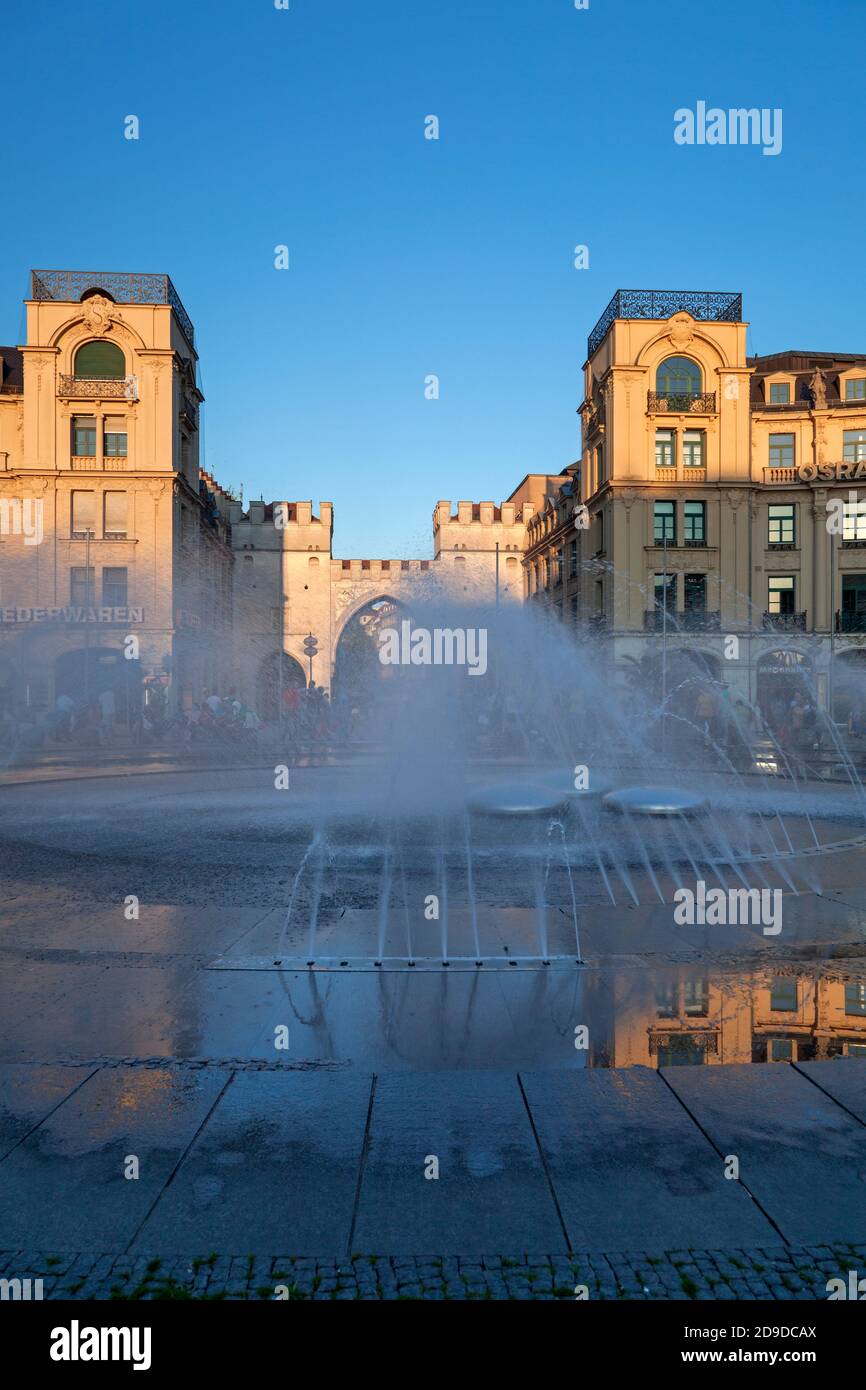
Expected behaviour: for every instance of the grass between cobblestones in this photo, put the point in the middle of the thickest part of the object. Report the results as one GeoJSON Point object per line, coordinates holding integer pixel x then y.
{"type": "Point", "coordinates": [779, 1272]}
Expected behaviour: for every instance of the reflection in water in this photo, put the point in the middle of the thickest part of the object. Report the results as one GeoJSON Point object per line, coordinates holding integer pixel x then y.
{"type": "Point", "coordinates": [694, 1016]}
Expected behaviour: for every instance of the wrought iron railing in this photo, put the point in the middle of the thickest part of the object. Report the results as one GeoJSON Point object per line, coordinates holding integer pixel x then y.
{"type": "Point", "coordinates": [682, 620]}
{"type": "Point", "coordinates": [685, 402]}
{"type": "Point", "coordinates": [850, 622]}
{"type": "Point", "coordinates": [98, 388]}
{"type": "Point", "coordinates": [784, 622]}
{"type": "Point", "coordinates": [683, 1039]}
{"type": "Point", "coordinates": [124, 287]}
{"type": "Point", "coordinates": [717, 306]}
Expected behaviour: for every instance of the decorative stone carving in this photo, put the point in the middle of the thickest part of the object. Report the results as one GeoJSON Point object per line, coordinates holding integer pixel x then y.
{"type": "Point", "coordinates": [98, 313]}
{"type": "Point", "coordinates": [343, 597]}
{"type": "Point", "coordinates": [818, 388]}
{"type": "Point", "coordinates": [681, 331]}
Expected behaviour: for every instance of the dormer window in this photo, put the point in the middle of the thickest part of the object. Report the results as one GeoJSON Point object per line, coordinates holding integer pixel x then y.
{"type": "Point", "coordinates": [855, 388]}
{"type": "Point", "coordinates": [780, 393]}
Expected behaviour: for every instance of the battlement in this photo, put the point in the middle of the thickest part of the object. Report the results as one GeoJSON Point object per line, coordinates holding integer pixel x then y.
{"type": "Point", "coordinates": [369, 569]}
{"type": "Point", "coordinates": [282, 515]}
{"type": "Point", "coordinates": [481, 514]}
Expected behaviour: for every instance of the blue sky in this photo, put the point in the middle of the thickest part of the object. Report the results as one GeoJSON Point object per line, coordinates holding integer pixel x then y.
{"type": "Point", "coordinates": [408, 257]}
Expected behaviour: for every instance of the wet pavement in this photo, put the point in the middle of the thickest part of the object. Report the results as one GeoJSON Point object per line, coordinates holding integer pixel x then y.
{"type": "Point", "coordinates": [163, 1160]}
{"type": "Point", "coordinates": [174, 1079]}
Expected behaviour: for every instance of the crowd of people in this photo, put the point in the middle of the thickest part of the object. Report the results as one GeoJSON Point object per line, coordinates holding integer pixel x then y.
{"type": "Point", "coordinates": [308, 719]}
{"type": "Point", "coordinates": [795, 724]}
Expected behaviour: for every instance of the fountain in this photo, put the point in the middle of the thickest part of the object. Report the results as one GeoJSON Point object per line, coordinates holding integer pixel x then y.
{"type": "Point", "coordinates": [497, 810]}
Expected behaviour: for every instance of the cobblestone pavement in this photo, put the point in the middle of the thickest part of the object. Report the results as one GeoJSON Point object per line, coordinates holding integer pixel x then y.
{"type": "Point", "coordinates": [777, 1272]}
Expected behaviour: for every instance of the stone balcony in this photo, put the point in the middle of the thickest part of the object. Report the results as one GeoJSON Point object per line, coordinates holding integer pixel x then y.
{"type": "Point", "coordinates": [88, 388]}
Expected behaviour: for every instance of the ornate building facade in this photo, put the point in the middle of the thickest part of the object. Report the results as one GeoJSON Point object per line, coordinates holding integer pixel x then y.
{"type": "Point", "coordinates": [115, 555]}
{"type": "Point", "coordinates": [715, 505]}
{"type": "Point", "coordinates": [712, 523]}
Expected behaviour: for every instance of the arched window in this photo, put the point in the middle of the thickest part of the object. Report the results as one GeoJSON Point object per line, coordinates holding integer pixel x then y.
{"type": "Point", "coordinates": [101, 361]}
{"type": "Point", "coordinates": [679, 376]}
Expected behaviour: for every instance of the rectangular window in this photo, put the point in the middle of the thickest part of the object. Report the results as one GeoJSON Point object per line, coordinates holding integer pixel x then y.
{"type": "Point", "coordinates": [855, 389]}
{"type": "Point", "coordinates": [780, 1050]}
{"type": "Point", "coordinates": [572, 560]}
{"type": "Point", "coordinates": [855, 999]}
{"type": "Point", "coordinates": [854, 595]}
{"type": "Point", "coordinates": [780, 523]}
{"type": "Point", "coordinates": [665, 587]}
{"type": "Point", "coordinates": [780, 596]}
{"type": "Point", "coordinates": [854, 520]}
{"type": "Point", "coordinates": [84, 436]}
{"type": "Point", "coordinates": [694, 452]}
{"type": "Point", "coordinates": [666, 999]}
{"type": "Point", "coordinates": [780, 393]}
{"type": "Point", "coordinates": [548, 569]}
{"type": "Point", "coordinates": [781, 451]}
{"type": "Point", "coordinates": [783, 994]}
{"type": "Point", "coordinates": [114, 587]}
{"type": "Point", "coordinates": [695, 523]}
{"type": "Point", "coordinates": [81, 586]}
{"type": "Point", "coordinates": [664, 448]}
{"type": "Point", "coordinates": [854, 445]}
{"type": "Point", "coordinates": [115, 436]}
{"type": "Point", "coordinates": [665, 523]}
{"type": "Point", "coordinates": [695, 593]}
{"type": "Point", "coordinates": [599, 461]}
{"type": "Point", "coordinates": [696, 996]}
{"type": "Point", "coordinates": [83, 515]}
{"type": "Point", "coordinates": [114, 505]}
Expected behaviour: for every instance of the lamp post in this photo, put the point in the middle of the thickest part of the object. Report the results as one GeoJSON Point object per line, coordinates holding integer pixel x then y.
{"type": "Point", "coordinates": [664, 637]}
{"type": "Point", "coordinates": [88, 601]}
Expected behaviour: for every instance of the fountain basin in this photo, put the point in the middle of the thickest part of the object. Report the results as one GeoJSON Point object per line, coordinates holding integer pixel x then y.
{"type": "Point", "coordinates": [655, 801]}
{"type": "Point", "coordinates": [517, 799]}
{"type": "Point", "coordinates": [563, 783]}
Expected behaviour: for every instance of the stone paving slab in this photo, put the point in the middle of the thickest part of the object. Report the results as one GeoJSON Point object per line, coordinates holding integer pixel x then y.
{"type": "Point", "coordinates": [28, 1094]}
{"type": "Point", "coordinates": [65, 1184]}
{"type": "Point", "coordinates": [800, 1154]}
{"type": "Point", "coordinates": [98, 1008]}
{"type": "Point", "coordinates": [276, 1165]}
{"type": "Point", "coordinates": [491, 1188]}
{"type": "Point", "coordinates": [277, 1158]}
{"type": "Point", "coordinates": [630, 1168]}
{"type": "Point", "coordinates": [843, 1079]}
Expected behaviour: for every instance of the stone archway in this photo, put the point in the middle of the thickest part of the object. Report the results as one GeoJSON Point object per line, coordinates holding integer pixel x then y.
{"type": "Point", "coordinates": [849, 685]}
{"type": "Point", "coordinates": [268, 683]}
{"type": "Point", "coordinates": [358, 673]}
{"type": "Point", "coordinates": [781, 675]}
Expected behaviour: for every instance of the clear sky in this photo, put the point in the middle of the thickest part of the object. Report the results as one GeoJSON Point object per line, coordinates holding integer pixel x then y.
{"type": "Point", "coordinates": [408, 257]}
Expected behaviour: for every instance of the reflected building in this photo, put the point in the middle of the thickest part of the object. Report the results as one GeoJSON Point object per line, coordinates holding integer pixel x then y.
{"type": "Point", "coordinates": [695, 1016]}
